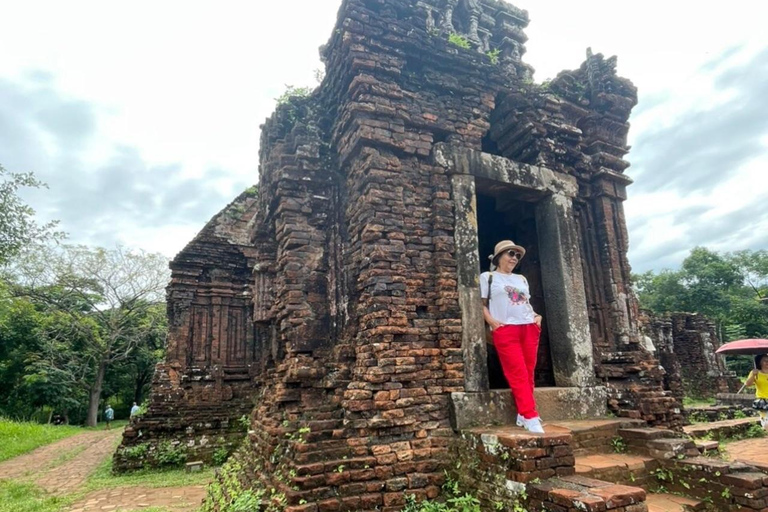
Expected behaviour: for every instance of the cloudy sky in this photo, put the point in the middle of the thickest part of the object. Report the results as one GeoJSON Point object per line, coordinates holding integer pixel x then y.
{"type": "Point", "coordinates": [144, 117]}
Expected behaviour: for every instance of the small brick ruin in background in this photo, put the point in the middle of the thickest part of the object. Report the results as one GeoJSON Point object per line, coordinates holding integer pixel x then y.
{"type": "Point", "coordinates": [337, 309]}
{"type": "Point", "coordinates": [685, 345]}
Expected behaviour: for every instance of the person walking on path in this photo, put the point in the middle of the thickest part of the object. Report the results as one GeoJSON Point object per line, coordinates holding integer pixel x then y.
{"type": "Point", "coordinates": [134, 410]}
{"type": "Point", "coordinates": [759, 378]}
{"type": "Point", "coordinates": [515, 326]}
{"type": "Point", "coordinates": [109, 415]}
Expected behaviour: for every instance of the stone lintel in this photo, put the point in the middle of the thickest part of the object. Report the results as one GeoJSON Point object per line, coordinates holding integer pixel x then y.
{"type": "Point", "coordinates": [460, 160]}
{"type": "Point", "coordinates": [496, 407]}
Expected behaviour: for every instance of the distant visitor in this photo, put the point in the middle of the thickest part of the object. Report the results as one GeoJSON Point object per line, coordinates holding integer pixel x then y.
{"type": "Point", "coordinates": [109, 415]}
{"type": "Point", "coordinates": [759, 378]}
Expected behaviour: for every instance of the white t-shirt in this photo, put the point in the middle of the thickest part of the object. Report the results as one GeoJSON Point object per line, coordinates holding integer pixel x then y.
{"type": "Point", "coordinates": [509, 298]}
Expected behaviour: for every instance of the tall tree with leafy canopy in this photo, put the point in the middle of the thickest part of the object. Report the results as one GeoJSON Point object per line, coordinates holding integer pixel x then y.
{"type": "Point", "coordinates": [729, 288]}
{"type": "Point", "coordinates": [18, 227]}
{"type": "Point", "coordinates": [112, 290]}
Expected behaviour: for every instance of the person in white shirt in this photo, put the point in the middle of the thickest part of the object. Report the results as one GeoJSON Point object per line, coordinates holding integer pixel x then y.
{"type": "Point", "coordinates": [515, 326]}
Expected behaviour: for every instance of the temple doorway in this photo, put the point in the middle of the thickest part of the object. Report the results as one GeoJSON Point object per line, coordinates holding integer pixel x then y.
{"type": "Point", "coordinates": [504, 213]}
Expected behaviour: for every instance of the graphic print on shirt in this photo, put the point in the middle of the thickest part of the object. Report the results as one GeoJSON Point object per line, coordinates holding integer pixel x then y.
{"type": "Point", "coordinates": [516, 296]}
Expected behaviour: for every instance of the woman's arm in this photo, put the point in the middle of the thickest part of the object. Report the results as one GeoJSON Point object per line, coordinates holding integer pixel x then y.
{"type": "Point", "coordinates": [751, 379]}
{"type": "Point", "coordinates": [495, 324]}
{"type": "Point", "coordinates": [537, 319]}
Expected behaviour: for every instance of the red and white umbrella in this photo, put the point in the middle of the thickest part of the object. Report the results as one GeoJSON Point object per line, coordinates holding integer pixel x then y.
{"type": "Point", "coordinates": [744, 347]}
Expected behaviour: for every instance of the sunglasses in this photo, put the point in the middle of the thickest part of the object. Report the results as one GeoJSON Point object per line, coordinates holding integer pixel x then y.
{"type": "Point", "coordinates": [513, 254]}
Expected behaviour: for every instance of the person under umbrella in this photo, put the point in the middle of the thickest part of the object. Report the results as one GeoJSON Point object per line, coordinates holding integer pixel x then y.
{"type": "Point", "coordinates": [759, 378]}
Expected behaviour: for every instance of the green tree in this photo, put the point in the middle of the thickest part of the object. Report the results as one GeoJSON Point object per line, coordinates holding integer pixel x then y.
{"type": "Point", "coordinates": [729, 288]}
{"type": "Point", "coordinates": [18, 228]}
{"type": "Point", "coordinates": [129, 380]}
{"type": "Point", "coordinates": [103, 301]}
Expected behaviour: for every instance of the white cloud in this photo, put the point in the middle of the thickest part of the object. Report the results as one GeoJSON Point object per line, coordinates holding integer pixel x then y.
{"type": "Point", "coordinates": [168, 98]}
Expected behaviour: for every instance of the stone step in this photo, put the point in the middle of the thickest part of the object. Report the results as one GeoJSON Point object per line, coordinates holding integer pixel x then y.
{"type": "Point", "coordinates": [496, 407]}
{"type": "Point", "coordinates": [706, 447]}
{"type": "Point", "coordinates": [620, 468]}
{"type": "Point", "coordinates": [658, 443]}
{"type": "Point", "coordinates": [660, 502]}
{"type": "Point", "coordinates": [720, 429]}
{"type": "Point", "coordinates": [521, 455]}
{"type": "Point", "coordinates": [581, 493]}
{"type": "Point", "coordinates": [600, 435]}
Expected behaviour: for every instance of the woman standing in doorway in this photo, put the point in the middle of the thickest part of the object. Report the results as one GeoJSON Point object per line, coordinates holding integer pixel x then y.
{"type": "Point", "coordinates": [515, 326]}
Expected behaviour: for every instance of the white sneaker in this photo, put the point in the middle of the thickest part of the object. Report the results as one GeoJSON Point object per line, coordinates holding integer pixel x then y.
{"type": "Point", "coordinates": [763, 421]}
{"type": "Point", "coordinates": [519, 421]}
{"type": "Point", "coordinates": [533, 425]}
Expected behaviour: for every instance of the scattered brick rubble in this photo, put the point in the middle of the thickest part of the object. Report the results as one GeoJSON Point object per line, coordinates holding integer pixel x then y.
{"type": "Point", "coordinates": [339, 308]}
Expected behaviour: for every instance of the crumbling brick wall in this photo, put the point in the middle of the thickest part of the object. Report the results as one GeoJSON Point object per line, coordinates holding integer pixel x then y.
{"type": "Point", "coordinates": [349, 254]}
{"type": "Point", "coordinates": [685, 344]}
{"type": "Point", "coordinates": [205, 385]}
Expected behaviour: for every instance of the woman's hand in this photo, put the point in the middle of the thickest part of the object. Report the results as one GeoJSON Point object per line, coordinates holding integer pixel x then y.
{"type": "Point", "coordinates": [494, 324]}
{"type": "Point", "coordinates": [537, 320]}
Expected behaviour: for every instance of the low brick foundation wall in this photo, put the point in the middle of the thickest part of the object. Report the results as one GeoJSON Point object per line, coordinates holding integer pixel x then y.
{"type": "Point", "coordinates": [720, 412]}
{"type": "Point", "coordinates": [725, 486]}
{"type": "Point", "coordinates": [585, 494]}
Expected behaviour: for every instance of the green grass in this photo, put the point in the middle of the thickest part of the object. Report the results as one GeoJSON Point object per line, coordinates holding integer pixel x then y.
{"type": "Point", "coordinates": [698, 402]}
{"type": "Point", "coordinates": [66, 456]}
{"type": "Point", "coordinates": [103, 478]}
{"type": "Point", "coordinates": [22, 497]}
{"type": "Point", "coordinates": [17, 438]}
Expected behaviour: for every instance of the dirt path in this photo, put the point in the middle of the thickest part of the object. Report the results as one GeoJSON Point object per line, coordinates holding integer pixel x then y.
{"type": "Point", "coordinates": [63, 464]}
{"type": "Point", "coordinates": [177, 499]}
{"type": "Point", "coordinates": [63, 467]}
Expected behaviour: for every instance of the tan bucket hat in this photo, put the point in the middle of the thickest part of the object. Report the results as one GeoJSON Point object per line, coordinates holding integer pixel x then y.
{"type": "Point", "coordinates": [506, 245]}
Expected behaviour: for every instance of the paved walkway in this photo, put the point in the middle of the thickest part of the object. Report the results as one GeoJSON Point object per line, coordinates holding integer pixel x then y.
{"type": "Point", "coordinates": [752, 451]}
{"type": "Point", "coordinates": [667, 503]}
{"type": "Point", "coordinates": [176, 499]}
{"type": "Point", "coordinates": [63, 467]}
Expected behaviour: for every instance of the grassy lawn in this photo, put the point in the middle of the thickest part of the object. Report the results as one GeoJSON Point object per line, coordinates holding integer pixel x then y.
{"type": "Point", "coordinates": [22, 497]}
{"type": "Point", "coordinates": [103, 478]}
{"type": "Point", "coordinates": [17, 438]}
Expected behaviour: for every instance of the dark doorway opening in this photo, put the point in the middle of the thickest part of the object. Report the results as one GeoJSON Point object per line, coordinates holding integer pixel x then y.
{"type": "Point", "coordinates": [506, 213]}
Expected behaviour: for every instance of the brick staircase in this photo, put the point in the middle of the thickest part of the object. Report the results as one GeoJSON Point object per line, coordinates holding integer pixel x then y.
{"type": "Point", "coordinates": [610, 465]}
{"type": "Point", "coordinates": [500, 462]}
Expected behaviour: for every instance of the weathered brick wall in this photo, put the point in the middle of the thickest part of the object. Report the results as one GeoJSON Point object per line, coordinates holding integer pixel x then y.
{"type": "Point", "coordinates": [685, 345]}
{"type": "Point", "coordinates": [349, 255]}
{"type": "Point", "coordinates": [205, 385]}
{"type": "Point", "coordinates": [577, 124]}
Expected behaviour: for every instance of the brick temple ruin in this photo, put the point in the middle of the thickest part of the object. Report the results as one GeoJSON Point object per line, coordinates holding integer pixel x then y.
{"type": "Point", "coordinates": [334, 311]}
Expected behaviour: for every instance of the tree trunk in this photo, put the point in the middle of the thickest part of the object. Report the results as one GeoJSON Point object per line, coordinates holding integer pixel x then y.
{"type": "Point", "coordinates": [95, 395]}
{"type": "Point", "coordinates": [143, 376]}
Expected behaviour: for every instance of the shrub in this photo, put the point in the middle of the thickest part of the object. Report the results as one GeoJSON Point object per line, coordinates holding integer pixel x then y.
{"type": "Point", "coordinates": [220, 456]}
{"type": "Point", "coordinates": [170, 455]}
{"type": "Point", "coordinates": [459, 40]}
{"type": "Point", "coordinates": [136, 452]}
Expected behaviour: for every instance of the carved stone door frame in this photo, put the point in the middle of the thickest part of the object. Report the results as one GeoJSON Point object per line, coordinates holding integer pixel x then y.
{"type": "Point", "coordinates": [562, 277]}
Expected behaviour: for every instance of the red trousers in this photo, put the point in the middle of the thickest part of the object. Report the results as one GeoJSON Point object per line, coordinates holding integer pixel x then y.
{"type": "Point", "coordinates": [517, 346]}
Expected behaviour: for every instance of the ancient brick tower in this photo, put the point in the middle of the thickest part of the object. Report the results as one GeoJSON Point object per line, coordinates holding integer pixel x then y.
{"type": "Point", "coordinates": [342, 306]}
